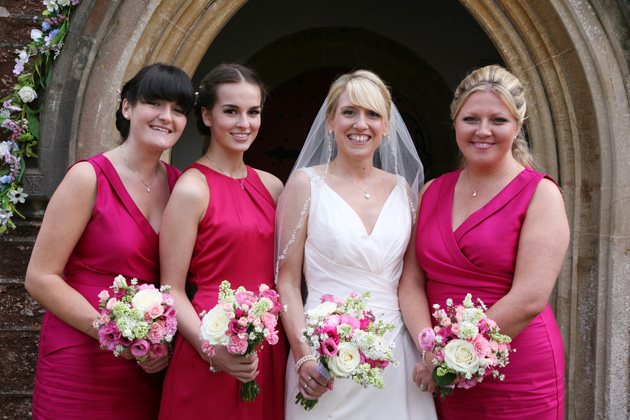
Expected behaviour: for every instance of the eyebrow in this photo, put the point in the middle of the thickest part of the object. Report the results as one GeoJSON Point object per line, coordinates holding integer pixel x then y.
{"type": "Point", "coordinates": [236, 106]}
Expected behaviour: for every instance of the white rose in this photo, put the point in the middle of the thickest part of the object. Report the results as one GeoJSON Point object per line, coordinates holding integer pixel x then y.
{"type": "Point", "coordinates": [460, 356]}
{"type": "Point", "coordinates": [4, 149]}
{"type": "Point", "coordinates": [63, 3]}
{"type": "Point", "coordinates": [324, 310]}
{"type": "Point", "coordinates": [346, 360]}
{"type": "Point", "coordinates": [27, 94]}
{"type": "Point", "coordinates": [213, 325]}
{"type": "Point", "coordinates": [120, 282]}
{"type": "Point", "coordinates": [145, 298]}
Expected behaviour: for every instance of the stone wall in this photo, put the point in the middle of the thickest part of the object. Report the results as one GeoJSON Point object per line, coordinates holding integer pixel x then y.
{"type": "Point", "coordinates": [20, 315]}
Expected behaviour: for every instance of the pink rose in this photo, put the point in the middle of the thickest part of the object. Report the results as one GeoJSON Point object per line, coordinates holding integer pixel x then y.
{"type": "Point", "coordinates": [237, 345]}
{"type": "Point", "coordinates": [251, 317]}
{"type": "Point", "coordinates": [455, 329]}
{"type": "Point", "coordinates": [140, 348]}
{"type": "Point", "coordinates": [481, 345]}
{"type": "Point", "coordinates": [155, 310]}
{"type": "Point", "coordinates": [329, 347]}
{"type": "Point", "coordinates": [494, 346]}
{"type": "Point", "coordinates": [277, 308]}
{"type": "Point", "coordinates": [483, 326]}
{"type": "Point", "coordinates": [263, 287]}
{"type": "Point", "coordinates": [467, 383]}
{"type": "Point", "coordinates": [103, 296]}
{"type": "Point", "coordinates": [156, 333]}
{"type": "Point", "coordinates": [426, 339]}
{"type": "Point", "coordinates": [111, 303]}
{"type": "Point", "coordinates": [270, 294]}
{"type": "Point", "coordinates": [332, 321]}
{"type": "Point", "coordinates": [245, 298]}
{"type": "Point", "coordinates": [257, 322]}
{"type": "Point", "coordinates": [105, 319]}
{"type": "Point", "coordinates": [446, 322]}
{"type": "Point", "coordinates": [459, 313]}
{"type": "Point", "coordinates": [243, 322]}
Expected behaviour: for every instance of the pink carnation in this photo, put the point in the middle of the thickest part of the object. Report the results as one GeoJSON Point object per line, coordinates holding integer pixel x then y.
{"type": "Point", "coordinates": [439, 355]}
{"type": "Point", "coordinates": [467, 383]}
{"type": "Point", "coordinates": [208, 349]}
{"type": "Point", "coordinates": [237, 345]}
{"type": "Point", "coordinates": [481, 345]}
{"type": "Point", "coordinates": [446, 322]}
{"type": "Point", "coordinates": [269, 321]}
{"type": "Point", "coordinates": [171, 325]}
{"type": "Point", "coordinates": [426, 339]}
{"type": "Point", "coordinates": [272, 338]}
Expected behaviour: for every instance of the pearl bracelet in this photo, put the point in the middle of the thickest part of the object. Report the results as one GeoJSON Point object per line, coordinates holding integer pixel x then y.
{"type": "Point", "coordinates": [213, 368]}
{"type": "Point", "coordinates": [304, 359]}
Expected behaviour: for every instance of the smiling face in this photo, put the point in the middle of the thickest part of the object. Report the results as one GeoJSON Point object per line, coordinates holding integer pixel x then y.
{"type": "Point", "coordinates": [158, 122]}
{"type": "Point", "coordinates": [234, 120]}
{"type": "Point", "coordinates": [485, 129]}
{"type": "Point", "coordinates": [357, 130]}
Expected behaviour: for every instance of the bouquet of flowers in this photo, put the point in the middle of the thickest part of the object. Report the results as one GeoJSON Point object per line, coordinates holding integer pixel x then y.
{"type": "Point", "coordinates": [348, 340]}
{"type": "Point", "coordinates": [135, 317]}
{"type": "Point", "coordinates": [241, 321]}
{"type": "Point", "coordinates": [465, 343]}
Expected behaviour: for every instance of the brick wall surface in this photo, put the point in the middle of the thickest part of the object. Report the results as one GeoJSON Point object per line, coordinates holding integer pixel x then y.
{"type": "Point", "coordinates": [20, 315]}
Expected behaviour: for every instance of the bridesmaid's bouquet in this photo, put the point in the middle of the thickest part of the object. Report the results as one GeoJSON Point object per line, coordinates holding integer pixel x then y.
{"type": "Point", "coordinates": [241, 321]}
{"type": "Point", "coordinates": [465, 343]}
{"type": "Point", "coordinates": [136, 317]}
{"type": "Point", "coordinates": [349, 342]}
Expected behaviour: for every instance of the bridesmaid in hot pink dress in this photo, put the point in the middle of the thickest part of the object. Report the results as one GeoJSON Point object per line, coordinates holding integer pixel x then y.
{"type": "Point", "coordinates": [219, 225]}
{"type": "Point", "coordinates": [496, 229]}
{"type": "Point", "coordinates": [101, 222]}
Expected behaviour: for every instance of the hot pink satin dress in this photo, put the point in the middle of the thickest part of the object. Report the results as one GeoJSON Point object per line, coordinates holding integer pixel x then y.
{"type": "Point", "coordinates": [235, 242]}
{"type": "Point", "coordinates": [75, 379]}
{"type": "Point", "coordinates": [479, 258]}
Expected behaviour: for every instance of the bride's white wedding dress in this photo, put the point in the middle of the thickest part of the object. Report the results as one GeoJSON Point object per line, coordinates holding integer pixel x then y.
{"type": "Point", "coordinates": [341, 257]}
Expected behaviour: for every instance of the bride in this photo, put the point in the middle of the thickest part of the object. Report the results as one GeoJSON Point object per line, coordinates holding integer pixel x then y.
{"type": "Point", "coordinates": [344, 221]}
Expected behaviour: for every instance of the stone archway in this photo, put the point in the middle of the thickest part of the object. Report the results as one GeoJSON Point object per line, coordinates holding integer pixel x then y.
{"type": "Point", "coordinates": [572, 56]}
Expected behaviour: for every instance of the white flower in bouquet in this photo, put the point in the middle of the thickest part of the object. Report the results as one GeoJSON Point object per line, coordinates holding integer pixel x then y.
{"type": "Point", "coordinates": [460, 356]}
{"type": "Point", "coordinates": [346, 360]}
{"type": "Point", "coordinates": [145, 298]}
{"type": "Point", "coordinates": [214, 325]}
{"type": "Point", "coordinates": [322, 310]}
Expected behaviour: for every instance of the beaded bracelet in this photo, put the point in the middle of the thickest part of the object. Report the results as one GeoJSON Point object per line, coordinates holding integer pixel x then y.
{"type": "Point", "coordinates": [304, 359]}
{"type": "Point", "coordinates": [424, 353]}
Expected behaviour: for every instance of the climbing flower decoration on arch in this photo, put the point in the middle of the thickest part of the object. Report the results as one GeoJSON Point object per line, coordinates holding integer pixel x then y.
{"type": "Point", "coordinates": [19, 112]}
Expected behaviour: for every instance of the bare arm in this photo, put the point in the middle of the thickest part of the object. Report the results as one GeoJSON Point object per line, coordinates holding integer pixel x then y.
{"type": "Point", "coordinates": [184, 211]}
{"type": "Point", "coordinates": [414, 304]}
{"type": "Point", "coordinates": [289, 288]}
{"type": "Point", "coordinates": [67, 215]}
{"type": "Point", "coordinates": [543, 244]}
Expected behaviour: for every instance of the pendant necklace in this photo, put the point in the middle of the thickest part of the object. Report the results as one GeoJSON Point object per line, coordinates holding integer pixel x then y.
{"type": "Point", "coordinates": [365, 191]}
{"type": "Point", "coordinates": [137, 174]}
{"type": "Point", "coordinates": [240, 181]}
{"type": "Point", "coordinates": [474, 191]}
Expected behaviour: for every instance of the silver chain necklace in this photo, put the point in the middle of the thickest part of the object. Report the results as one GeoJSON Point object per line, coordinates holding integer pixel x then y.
{"type": "Point", "coordinates": [137, 174]}
{"type": "Point", "coordinates": [240, 181]}
{"type": "Point", "coordinates": [365, 191]}
{"type": "Point", "coordinates": [474, 191]}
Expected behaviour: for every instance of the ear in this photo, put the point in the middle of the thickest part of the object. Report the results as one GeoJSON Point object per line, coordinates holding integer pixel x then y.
{"type": "Point", "coordinates": [126, 108]}
{"type": "Point", "coordinates": [328, 124]}
{"type": "Point", "coordinates": [205, 115]}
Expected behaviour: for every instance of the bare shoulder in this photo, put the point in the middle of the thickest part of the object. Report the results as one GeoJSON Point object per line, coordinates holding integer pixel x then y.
{"type": "Point", "coordinates": [82, 174]}
{"type": "Point", "coordinates": [547, 193]}
{"type": "Point", "coordinates": [426, 186]}
{"type": "Point", "coordinates": [272, 183]}
{"type": "Point", "coordinates": [191, 188]}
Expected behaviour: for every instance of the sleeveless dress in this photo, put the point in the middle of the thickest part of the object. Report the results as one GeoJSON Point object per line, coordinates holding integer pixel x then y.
{"type": "Point", "coordinates": [340, 258]}
{"type": "Point", "coordinates": [75, 379]}
{"type": "Point", "coordinates": [235, 242]}
{"type": "Point", "coordinates": [479, 258]}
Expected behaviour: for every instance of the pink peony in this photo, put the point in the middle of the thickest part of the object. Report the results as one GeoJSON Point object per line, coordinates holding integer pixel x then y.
{"type": "Point", "coordinates": [426, 339]}
{"type": "Point", "coordinates": [155, 310]}
{"type": "Point", "coordinates": [332, 321]}
{"type": "Point", "coordinates": [350, 320]}
{"type": "Point", "coordinates": [140, 348]}
{"type": "Point", "coordinates": [237, 345]}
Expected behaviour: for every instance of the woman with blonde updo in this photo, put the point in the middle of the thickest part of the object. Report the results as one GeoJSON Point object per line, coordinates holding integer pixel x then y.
{"type": "Point", "coordinates": [496, 229]}
{"type": "Point", "coordinates": [344, 221]}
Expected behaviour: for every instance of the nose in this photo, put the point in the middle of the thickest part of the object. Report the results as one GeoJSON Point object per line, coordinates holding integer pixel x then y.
{"type": "Point", "coordinates": [483, 129]}
{"type": "Point", "coordinates": [242, 121]}
{"type": "Point", "coordinates": [166, 114]}
{"type": "Point", "coordinates": [361, 121]}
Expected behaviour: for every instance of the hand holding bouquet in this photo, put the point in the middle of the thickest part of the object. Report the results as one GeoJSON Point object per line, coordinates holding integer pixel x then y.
{"type": "Point", "coordinates": [465, 343]}
{"type": "Point", "coordinates": [241, 321]}
{"type": "Point", "coordinates": [136, 317]}
{"type": "Point", "coordinates": [348, 340]}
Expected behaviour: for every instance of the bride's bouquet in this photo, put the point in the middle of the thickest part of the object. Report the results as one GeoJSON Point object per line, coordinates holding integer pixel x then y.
{"type": "Point", "coordinates": [465, 343]}
{"type": "Point", "coordinates": [349, 342]}
{"type": "Point", "coordinates": [241, 321]}
{"type": "Point", "coordinates": [135, 317]}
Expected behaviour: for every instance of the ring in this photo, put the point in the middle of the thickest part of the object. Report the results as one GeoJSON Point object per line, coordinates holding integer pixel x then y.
{"type": "Point", "coordinates": [305, 386]}
{"type": "Point", "coordinates": [423, 387]}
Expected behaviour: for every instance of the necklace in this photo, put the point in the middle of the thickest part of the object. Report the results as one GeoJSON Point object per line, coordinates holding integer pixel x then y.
{"type": "Point", "coordinates": [137, 174]}
{"type": "Point", "coordinates": [365, 191]}
{"type": "Point", "coordinates": [240, 181]}
{"type": "Point", "coordinates": [474, 191]}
